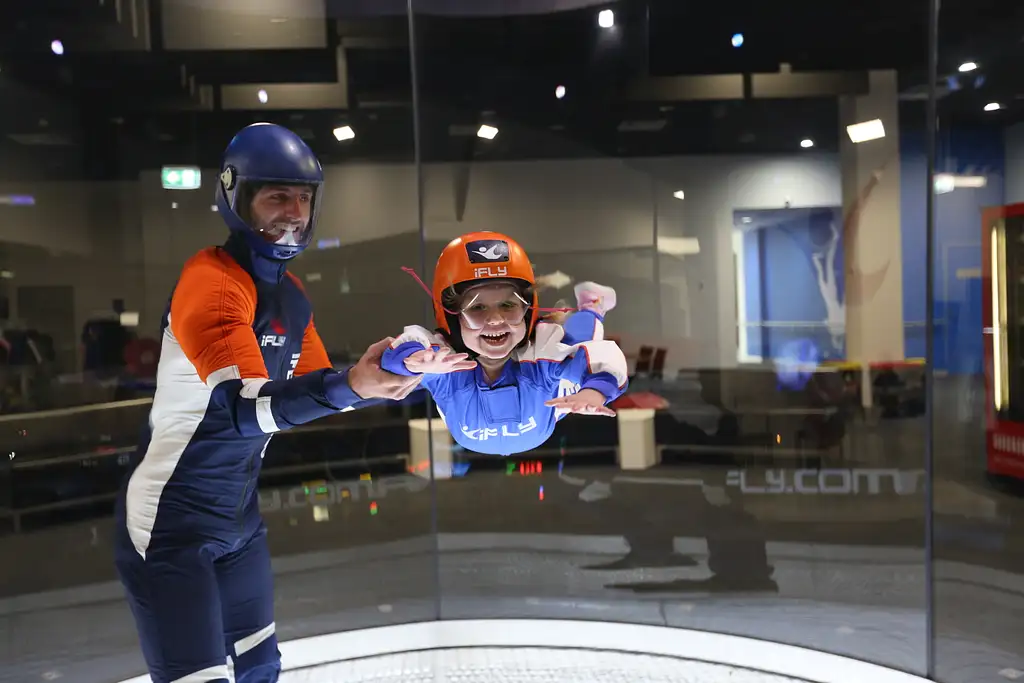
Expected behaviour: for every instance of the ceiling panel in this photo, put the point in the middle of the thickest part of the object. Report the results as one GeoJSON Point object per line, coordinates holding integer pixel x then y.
{"type": "Point", "coordinates": [285, 96]}
{"type": "Point", "coordinates": [243, 24]}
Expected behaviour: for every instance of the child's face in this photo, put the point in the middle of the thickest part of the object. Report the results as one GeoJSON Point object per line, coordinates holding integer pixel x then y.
{"type": "Point", "coordinates": [493, 320]}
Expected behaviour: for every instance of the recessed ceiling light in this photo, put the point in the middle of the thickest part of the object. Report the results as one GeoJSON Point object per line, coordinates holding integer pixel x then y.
{"type": "Point", "coordinates": [866, 130]}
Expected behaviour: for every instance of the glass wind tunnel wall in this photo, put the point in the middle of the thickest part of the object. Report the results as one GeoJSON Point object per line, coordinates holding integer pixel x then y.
{"type": "Point", "coordinates": [767, 472]}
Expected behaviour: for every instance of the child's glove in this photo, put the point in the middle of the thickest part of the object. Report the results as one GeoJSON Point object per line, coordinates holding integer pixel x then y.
{"type": "Point", "coordinates": [438, 362]}
{"type": "Point", "coordinates": [591, 296]}
{"type": "Point", "coordinates": [584, 402]}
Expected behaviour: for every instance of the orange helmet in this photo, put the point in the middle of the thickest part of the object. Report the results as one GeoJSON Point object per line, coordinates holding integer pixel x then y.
{"type": "Point", "coordinates": [476, 257]}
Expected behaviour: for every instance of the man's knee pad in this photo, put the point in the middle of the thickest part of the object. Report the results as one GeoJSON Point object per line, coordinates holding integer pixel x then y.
{"type": "Point", "coordinates": [260, 663]}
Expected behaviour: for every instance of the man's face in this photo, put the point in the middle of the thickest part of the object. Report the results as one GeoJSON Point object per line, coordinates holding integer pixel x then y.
{"type": "Point", "coordinates": [281, 212]}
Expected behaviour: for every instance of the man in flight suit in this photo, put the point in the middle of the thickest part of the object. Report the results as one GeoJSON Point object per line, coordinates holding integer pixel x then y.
{"type": "Point", "coordinates": [240, 360]}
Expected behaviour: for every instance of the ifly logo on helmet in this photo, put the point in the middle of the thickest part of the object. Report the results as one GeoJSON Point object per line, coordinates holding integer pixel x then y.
{"type": "Point", "coordinates": [488, 251]}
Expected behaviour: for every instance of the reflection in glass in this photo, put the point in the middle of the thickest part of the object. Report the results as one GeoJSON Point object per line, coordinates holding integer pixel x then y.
{"type": "Point", "coordinates": [1003, 233]}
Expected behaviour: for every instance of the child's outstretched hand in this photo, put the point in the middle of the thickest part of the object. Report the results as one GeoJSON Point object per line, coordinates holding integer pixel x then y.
{"type": "Point", "coordinates": [584, 402]}
{"type": "Point", "coordinates": [439, 362]}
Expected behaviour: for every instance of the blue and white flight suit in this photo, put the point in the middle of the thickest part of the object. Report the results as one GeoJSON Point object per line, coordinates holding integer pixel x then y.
{"type": "Point", "coordinates": [508, 415]}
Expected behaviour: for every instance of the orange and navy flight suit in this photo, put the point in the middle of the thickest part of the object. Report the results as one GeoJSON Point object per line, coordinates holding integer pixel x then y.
{"type": "Point", "coordinates": [240, 361]}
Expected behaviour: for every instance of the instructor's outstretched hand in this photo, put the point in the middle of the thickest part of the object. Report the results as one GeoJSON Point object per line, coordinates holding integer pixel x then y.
{"type": "Point", "coordinates": [368, 380]}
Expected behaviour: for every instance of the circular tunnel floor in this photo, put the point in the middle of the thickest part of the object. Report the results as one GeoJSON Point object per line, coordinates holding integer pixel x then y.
{"type": "Point", "coordinates": [526, 665]}
{"type": "Point", "coordinates": [563, 651]}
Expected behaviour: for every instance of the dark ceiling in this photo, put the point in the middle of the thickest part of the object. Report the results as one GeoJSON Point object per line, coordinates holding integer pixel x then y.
{"type": "Point", "coordinates": [148, 82]}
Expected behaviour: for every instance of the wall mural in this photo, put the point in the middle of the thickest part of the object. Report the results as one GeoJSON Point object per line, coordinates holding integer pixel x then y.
{"type": "Point", "coordinates": [794, 288]}
{"type": "Point", "coordinates": [794, 281]}
{"type": "Point", "coordinates": [796, 305]}
{"type": "Point", "coordinates": [827, 259]}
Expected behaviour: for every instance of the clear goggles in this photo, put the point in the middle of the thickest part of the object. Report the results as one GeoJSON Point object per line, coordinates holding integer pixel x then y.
{"type": "Point", "coordinates": [493, 306]}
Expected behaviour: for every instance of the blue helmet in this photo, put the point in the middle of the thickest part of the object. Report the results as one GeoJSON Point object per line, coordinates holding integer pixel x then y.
{"type": "Point", "coordinates": [269, 190]}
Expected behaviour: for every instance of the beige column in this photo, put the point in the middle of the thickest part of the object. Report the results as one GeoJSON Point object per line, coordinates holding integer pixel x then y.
{"type": "Point", "coordinates": [873, 266]}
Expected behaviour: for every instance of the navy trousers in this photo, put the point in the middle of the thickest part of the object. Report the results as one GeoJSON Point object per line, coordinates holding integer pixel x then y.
{"type": "Point", "coordinates": [195, 607]}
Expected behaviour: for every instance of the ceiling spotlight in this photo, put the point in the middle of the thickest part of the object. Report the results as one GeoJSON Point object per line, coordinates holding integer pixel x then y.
{"type": "Point", "coordinates": [487, 132]}
{"type": "Point", "coordinates": [967, 66]}
{"type": "Point", "coordinates": [993, 106]}
{"type": "Point", "coordinates": [606, 18]}
{"type": "Point", "coordinates": [866, 130]}
{"type": "Point", "coordinates": [342, 133]}
{"type": "Point", "coordinates": [807, 143]}
{"type": "Point", "coordinates": [57, 47]}
{"type": "Point", "coordinates": [560, 92]}
{"type": "Point", "coordinates": [262, 95]}
{"type": "Point", "coordinates": [737, 40]}
{"type": "Point", "coordinates": [679, 194]}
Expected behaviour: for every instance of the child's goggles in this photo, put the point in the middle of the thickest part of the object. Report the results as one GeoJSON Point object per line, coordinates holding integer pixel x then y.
{"type": "Point", "coordinates": [480, 314]}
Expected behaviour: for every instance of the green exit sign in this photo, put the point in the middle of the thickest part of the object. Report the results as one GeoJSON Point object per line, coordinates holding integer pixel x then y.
{"type": "Point", "coordinates": [180, 177]}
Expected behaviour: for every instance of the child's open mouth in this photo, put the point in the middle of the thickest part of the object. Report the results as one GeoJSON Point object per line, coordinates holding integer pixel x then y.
{"type": "Point", "coordinates": [494, 339]}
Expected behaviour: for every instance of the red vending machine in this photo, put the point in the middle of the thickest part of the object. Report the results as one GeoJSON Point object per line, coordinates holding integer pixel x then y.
{"type": "Point", "coordinates": [1003, 318]}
